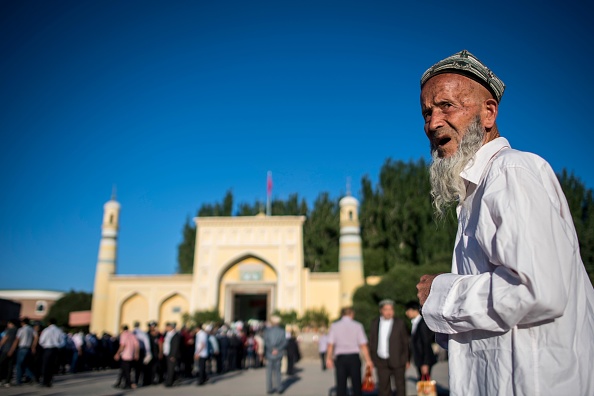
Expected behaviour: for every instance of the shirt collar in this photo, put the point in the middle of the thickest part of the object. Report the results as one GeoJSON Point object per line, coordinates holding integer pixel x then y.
{"type": "Point", "coordinates": [475, 167]}
{"type": "Point", "coordinates": [383, 320]}
{"type": "Point", "coordinates": [416, 320]}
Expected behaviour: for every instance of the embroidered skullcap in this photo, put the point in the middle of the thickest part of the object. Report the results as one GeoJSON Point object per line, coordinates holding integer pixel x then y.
{"type": "Point", "coordinates": [468, 65]}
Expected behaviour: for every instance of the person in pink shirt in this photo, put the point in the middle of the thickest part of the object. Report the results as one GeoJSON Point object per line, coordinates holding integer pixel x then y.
{"type": "Point", "coordinates": [128, 352]}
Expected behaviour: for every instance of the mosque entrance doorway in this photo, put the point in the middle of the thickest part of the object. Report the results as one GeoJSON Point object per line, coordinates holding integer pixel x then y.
{"type": "Point", "coordinates": [249, 306]}
{"type": "Point", "coordinates": [245, 302]}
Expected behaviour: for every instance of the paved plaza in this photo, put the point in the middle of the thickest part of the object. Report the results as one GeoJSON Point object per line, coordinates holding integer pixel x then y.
{"type": "Point", "coordinates": [309, 380]}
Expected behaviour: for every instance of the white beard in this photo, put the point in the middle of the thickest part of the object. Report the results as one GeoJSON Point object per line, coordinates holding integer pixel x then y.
{"type": "Point", "coordinates": [447, 186]}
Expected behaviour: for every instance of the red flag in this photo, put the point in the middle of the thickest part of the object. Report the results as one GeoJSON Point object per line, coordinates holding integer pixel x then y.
{"type": "Point", "coordinates": [269, 184]}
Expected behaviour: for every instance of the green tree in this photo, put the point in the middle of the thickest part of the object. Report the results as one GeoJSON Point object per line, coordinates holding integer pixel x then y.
{"type": "Point", "coordinates": [397, 223]}
{"type": "Point", "coordinates": [70, 302]}
{"type": "Point", "coordinates": [287, 317]}
{"type": "Point", "coordinates": [581, 205]}
{"type": "Point", "coordinates": [399, 285]}
{"type": "Point", "coordinates": [321, 235]}
{"type": "Point", "coordinates": [185, 250]}
{"type": "Point", "coordinates": [201, 317]}
{"type": "Point", "coordinates": [218, 209]}
{"type": "Point", "coordinates": [315, 318]}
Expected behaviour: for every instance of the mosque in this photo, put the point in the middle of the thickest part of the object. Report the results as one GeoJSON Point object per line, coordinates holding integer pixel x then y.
{"type": "Point", "coordinates": [245, 267]}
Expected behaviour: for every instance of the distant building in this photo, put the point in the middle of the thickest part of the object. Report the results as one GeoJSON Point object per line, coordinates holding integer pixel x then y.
{"type": "Point", "coordinates": [35, 304]}
{"type": "Point", "coordinates": [245, 267]}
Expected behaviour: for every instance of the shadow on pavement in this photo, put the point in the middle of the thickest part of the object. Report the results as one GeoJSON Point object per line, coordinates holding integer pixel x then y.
{"type": "Point", "coordinates": [286, 383]}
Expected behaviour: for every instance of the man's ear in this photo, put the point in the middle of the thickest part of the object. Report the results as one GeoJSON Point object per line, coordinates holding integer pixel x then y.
{"type": "Point", "coordinates": [489, 113]}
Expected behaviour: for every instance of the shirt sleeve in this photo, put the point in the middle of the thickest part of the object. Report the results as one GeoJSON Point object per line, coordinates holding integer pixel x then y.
{"type": "Point", "coordinates": [361, 337]}
{"type": "Point", "coordinates": [521, 230]}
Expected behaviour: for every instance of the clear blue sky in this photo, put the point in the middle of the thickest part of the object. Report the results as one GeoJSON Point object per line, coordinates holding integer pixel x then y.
{"type": "Point", "coordinates": [176, 102]}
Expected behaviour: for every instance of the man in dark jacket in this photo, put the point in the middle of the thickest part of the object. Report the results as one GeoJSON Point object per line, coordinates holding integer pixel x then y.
{"type": "Point", "coordinates": [172, 352]}
{"type": "Point", "coordinates": [388, 346]}
{"type": "Point", "coordinates": [422, 339]}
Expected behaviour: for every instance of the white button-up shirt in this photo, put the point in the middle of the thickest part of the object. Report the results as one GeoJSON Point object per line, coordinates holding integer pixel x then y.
{"type": "Point", "coordinates": [51, 337]}
{"type": "Point", "coordinates": [415, 323]}
{"type": "Point", "coordinates": [383, 337]}
{"type": "Point", "coordinates": [518, 308]}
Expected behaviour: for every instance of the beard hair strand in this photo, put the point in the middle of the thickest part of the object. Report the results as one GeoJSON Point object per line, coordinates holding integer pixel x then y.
{"type": "Point", "coordinates": [447, 186]}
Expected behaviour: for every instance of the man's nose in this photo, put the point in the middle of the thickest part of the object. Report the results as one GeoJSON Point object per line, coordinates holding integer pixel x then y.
{"type": "Point", "coordinates": [435, 121]}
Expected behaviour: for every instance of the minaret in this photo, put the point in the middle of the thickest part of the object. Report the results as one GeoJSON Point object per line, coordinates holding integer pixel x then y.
{"type": "Point", "coordinates": [350, 257]}
{"type": "Point", "coordinates": [106, 264]}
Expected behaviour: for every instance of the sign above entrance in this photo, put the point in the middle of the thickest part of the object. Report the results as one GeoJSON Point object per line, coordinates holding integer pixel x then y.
{"type": "Point", "coordinates": [251, 273]}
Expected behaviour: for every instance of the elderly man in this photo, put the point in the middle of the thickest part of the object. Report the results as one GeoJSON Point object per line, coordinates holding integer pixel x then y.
{"type": "Point", "coordinates": [388, 346]}
{"type": "Point", "coordinates": [275, 344]}
{"type": "Point", "coordinates": [518, 308]}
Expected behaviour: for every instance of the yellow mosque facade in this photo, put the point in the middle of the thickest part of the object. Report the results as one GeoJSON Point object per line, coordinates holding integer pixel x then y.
{"type": "Point", "coordinates": [245, 267]}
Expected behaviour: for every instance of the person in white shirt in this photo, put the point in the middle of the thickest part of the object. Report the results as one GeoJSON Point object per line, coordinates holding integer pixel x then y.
{"type": "Point", "coordinates": [517, 311]}
{"type": "Point", "coordinates": [388, 347]}
{"type": "Point", "coordinates": [51, 339]}
{"type": "Point", "coordinates": [201, 354]}
{"type": "Point", "coordinates": [323, 347]}
{"type": "Point", "coordinates": [24, 344]}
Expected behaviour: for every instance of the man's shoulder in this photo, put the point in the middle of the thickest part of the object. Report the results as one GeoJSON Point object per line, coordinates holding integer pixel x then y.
{"type": "Point", "coordinates": [513, 159]}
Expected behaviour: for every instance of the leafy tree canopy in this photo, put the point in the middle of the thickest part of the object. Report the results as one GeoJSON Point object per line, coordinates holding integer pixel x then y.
{"type": "Point", "coordinates": [70, 302]}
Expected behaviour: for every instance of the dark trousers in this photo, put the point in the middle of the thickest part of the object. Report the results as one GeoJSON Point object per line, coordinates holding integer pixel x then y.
{"type": "Point", "coordinates": [348, 366]}
{"type": "Point", "coordinates": [149, 372]}
{"type": "Point", "coordinates": [273, 375]}
{"type": "Point", "coordinates": [419, 371]}
{"type": "Point", "coordinates": [126, 369]}
{"type": "Point", "coordinates": [384, 372]}
{"type": "Point", "coordinates": [291, 359]}
{"type": "Point", "coordinates": [50, 357]}
{"type": "Point", "coordinates": [6, 363]}
{"type": "Point", "coordinates": [323, 359]}
{"type": "Point", "coordinates": [202, 377]}
{"type": "Point", "coordinates": [139, 368]}
{"type": "Point", "coordinates": [171, 363]}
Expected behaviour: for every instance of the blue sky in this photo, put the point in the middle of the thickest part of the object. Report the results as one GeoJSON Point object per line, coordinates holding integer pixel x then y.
{"type": "Point", "coordinates": [176, 102]}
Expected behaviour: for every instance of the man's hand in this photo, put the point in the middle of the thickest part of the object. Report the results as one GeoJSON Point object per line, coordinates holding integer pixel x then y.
{"type": "Point", "coordinates": [369, 365]}
{"type": "Point", "coordinates": [329, 363]}
{"type": "Point", "coordinates": [424, 287]}
{"type": "Point", "coordinates": [425, 369]}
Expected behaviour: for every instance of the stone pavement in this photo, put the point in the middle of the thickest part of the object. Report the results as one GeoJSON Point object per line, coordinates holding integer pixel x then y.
{"type": "Point", "coordinates": [309, 380]}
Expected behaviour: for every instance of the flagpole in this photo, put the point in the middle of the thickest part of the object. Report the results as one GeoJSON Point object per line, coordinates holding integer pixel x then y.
{"type": "Point", "coordinates": [268, 192]}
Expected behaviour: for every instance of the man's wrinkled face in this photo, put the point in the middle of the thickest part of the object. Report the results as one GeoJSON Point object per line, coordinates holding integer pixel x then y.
{"type": "Point", "coordinates": [387, 311]}
{"type": "Point", "coordinates": [449, 103]}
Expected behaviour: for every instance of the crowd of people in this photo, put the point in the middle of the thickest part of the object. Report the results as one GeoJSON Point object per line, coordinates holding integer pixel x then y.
{"type": "Point", "coordinates": [32, 354]}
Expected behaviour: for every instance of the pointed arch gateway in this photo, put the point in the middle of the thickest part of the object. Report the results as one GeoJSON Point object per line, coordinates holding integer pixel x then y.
{"type": "Point", "coordinates": [247, 289]}
{"type": "Point", "coordinates": [172, 308]}
{"type": "Point", "coordinates": [134, 308]}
